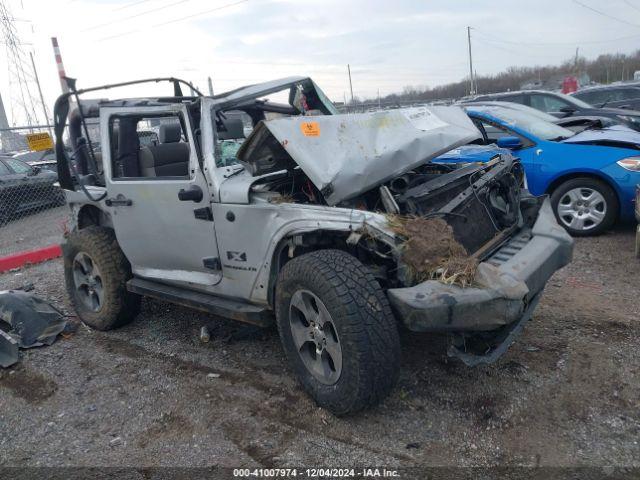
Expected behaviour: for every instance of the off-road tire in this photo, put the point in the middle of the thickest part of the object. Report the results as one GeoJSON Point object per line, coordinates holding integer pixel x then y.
{"type": "Point", "coordinates": [364, 323]}
{"type": "Point", "coordinates": [119, 306]}
{"type": "Point", "coordinates": [601, 187]}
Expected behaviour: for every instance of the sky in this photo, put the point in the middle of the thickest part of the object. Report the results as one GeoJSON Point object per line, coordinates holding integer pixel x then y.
{"type": "Point", "coordinates": [389, 44]}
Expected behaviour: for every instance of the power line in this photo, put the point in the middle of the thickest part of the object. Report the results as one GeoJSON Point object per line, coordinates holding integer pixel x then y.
{"type": "Point", "coordinates": [133, 4]}
{"type": "Point", "coordinates": [605, 14]}
{"type": "Point", "coordinates": [631, 5]}
{"type": "Point", "coordinates": [201, 13]}
{"type": "Point", "coordinates": [574, 43]}
{"type": "Point", "coordinates": [187, 17]}
{"type": "Point", "coordinates": [146, 12]}
{"type": "Point", "coordinates": [519, 53]}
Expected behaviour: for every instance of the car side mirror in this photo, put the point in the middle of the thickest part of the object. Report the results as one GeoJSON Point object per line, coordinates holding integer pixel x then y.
{"type": "Point", "coordinates": [35, 170]}
{"type": "Point", "coordinates": [512, 143]}
{"type": "Point", "coordinates": [567, 109]}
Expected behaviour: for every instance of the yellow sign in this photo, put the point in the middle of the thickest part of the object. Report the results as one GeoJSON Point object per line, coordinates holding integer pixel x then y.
{"type": "Point", "coordinates": [39, 141]}
{"type": "Point", "coordinates": [310, 129]}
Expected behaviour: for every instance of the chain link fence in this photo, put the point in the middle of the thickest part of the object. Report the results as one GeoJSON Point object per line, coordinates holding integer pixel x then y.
{"type": "Point", "coordinates": [32, 206]}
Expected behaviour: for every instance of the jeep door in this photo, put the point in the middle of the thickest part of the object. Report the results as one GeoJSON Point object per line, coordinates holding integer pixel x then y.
{"type": "Point", "coordinates": [158, 195]}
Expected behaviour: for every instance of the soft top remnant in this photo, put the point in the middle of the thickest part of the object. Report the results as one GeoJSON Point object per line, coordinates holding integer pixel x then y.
{"type": "Point", "coordinates": [28, 321]}
{"type": "Point", "coordinates": [345, 155]}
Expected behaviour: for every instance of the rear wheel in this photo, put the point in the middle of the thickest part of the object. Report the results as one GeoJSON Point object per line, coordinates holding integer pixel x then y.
{"type": "Point", "coordinates": [585, 206]}
{"type": "Point", "coordinates": [96, 272]}
{"type": "Point", "coordinates": [337, 330]}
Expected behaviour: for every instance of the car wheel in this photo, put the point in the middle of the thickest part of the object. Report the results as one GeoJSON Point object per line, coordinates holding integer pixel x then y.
{"type": "Point", "coordinates": [585, 206]}
{"type": "Point", "coordinates": [96, 272]}
{"type": "Point", "coordinates": [337, 330]}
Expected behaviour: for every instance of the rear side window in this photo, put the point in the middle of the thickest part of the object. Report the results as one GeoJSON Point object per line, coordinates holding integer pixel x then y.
{"type": "Point", "coordinates": [149, 147]}
{"type": "Point", "coordinates": [593, 98]}
{"type": "Point", "coordinates": [547, 103]}
{"type": "Point", "coordinates": [519, 98]}
{"type": "Point", "coordinates": [631, 94]}
{"type": "Point", "coordinates": [18, 166]}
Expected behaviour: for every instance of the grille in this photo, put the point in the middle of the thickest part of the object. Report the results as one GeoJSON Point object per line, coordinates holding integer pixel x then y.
{"type": "Point", "coordinates": [513, 246]}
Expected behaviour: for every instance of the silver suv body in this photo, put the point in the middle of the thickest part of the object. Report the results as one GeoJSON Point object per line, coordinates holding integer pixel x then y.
{"type": "Point", "coordinates": [297, 228]}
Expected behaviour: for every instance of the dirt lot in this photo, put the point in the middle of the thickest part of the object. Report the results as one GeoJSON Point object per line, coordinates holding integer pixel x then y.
{"type": "Point", "coordinates": [151, 394]}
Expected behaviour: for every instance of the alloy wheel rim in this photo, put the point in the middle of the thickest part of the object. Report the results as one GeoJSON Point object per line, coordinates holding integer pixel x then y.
{"type": "Point", "coordinates": [87, 281]}
{"type": "Point", "coordinates": [582, 209]}
{"type": "Point", "coordinates": [315, 337]}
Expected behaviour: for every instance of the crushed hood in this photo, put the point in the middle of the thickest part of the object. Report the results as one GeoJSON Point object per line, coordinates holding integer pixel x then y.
{"type": "Point", "coordinates": [346, 155]}
{"type": "Point", "coordinates": [616, 135]}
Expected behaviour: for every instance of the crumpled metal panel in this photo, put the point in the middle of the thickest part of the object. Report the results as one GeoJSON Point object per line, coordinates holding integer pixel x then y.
{"type": "Point", "coordinates": [615, 133]}
{"type": "Point", "coordinates": [346, 155]}
{"type": "Point", "coordinates": [32, 321]}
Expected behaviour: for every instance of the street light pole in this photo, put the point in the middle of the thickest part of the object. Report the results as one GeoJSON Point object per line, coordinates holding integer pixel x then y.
{"type": "Point", "coordinates": [472, 89]}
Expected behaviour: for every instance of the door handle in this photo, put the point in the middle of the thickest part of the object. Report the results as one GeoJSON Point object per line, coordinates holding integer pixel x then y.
{"type": "Point", "coordinates": [119, 201]}
{"type": "Point", "coordinates": [191, 194]}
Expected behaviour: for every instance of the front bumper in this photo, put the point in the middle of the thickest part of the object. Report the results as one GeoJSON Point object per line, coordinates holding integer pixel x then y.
{"type": "Point", "coordinates": [509, 280]}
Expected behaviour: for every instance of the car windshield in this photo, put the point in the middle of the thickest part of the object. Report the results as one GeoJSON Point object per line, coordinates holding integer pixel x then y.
{"type": "Point", "coordinates": [574, 101]}
{"type": "Point", "coordinates": [532, 124]}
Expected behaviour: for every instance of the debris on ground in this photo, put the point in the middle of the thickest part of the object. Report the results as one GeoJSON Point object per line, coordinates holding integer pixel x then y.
{"type": "Point", "coordinates": [430, 250]}
{"type": "Point", "coordinates": [205, 336]}
{"type": "Point", "coordinates": [26, 321]}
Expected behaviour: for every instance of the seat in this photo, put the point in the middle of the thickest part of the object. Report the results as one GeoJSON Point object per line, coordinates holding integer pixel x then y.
{"type": "Point", "coordinates": [170, 158]}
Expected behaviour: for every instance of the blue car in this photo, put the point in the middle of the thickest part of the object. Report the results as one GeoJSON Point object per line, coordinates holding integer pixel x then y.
{"type": "Point", "coordinates": [590, 176]}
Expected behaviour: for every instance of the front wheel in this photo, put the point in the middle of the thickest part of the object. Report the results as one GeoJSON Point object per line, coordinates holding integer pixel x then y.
{"type": "Point", "coordinates": [585, 206]}
{"type": "Point", "coordinates": [337, 330]}
{"type": "Point", "coordinates": [96, 272]}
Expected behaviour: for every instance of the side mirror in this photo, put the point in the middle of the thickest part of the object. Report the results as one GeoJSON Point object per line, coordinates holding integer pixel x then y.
{"type": "Point", "coordinates": [35, 170]}
{"type": "Point", "coordinates": [567, 109]}
{"type": "Point", "coordinates": [512, 143]}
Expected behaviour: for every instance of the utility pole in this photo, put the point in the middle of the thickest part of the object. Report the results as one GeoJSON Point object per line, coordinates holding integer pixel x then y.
{"type": "Point", "coordinates": [472, 90]}
{"type": "Point", "coordinates": [576, 61]}
{"type": "Point", "coordinates": [350, 83]}
{"type": "Point", "coordinates": [379, 106]}
{"type": "Point", "coordinates": [44, 105]}
{"type": "Point", "coordinates": [210, 86]}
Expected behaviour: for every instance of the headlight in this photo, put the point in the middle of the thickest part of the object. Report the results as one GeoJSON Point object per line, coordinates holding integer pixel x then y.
{"type": "Point", "coordinates": [630, 163]}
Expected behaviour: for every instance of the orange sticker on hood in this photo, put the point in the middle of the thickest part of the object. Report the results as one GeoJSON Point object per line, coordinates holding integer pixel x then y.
{"type": "Point", "coordinates": [310, 129]}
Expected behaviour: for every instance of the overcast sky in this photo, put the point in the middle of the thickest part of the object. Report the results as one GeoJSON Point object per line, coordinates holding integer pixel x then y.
{"type": "Point", "coordinates": [389, 44]}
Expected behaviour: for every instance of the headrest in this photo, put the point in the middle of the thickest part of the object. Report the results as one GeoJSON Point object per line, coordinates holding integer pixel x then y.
{"type": "Point", "coordinates": [233, 128]}
{"type": "Point", "coordinates": [169, 133]}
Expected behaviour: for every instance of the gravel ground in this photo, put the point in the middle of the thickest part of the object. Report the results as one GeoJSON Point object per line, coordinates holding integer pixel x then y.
{"type": "Point", "coordinates": [151, 394]}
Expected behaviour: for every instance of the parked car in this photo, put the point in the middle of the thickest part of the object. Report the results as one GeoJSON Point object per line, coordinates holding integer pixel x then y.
{"type": "Point", "coordinates": [626, 96]}
{"type": "Point", "coordinates": [25, 188]}
{"type": "Point", "coordinates": [591, 182]}
{"type": "Point", "coordinates": [561, 105]}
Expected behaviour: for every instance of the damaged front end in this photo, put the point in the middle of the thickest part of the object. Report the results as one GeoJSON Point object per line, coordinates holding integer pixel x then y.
{"type": "Point", "coordinates": [473, 249]}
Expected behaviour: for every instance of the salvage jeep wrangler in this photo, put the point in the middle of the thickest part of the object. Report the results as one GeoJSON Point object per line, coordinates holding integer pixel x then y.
{"type": "Point", "coordinates": [266, 205]}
